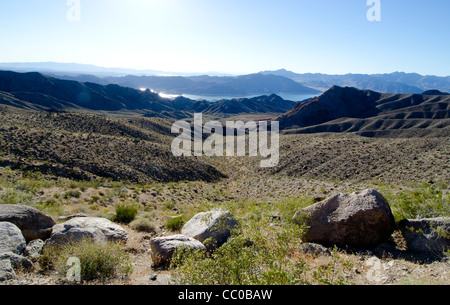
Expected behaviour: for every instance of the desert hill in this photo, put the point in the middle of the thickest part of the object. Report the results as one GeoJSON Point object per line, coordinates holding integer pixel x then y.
{"type": "Point", "coordinates": [87, 147]}
{"type": "Point", "coordinates": [371, 113]}
{"type": "Point", "coordinates": [37, 91]}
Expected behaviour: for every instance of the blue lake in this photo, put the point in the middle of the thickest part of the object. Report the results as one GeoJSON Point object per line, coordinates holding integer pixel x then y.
{"type": "Point", "coordinates": [215, 98]}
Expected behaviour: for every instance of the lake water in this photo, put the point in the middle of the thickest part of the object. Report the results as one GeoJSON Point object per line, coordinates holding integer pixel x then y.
{"type": "Point", "coordinates": [215, 98]}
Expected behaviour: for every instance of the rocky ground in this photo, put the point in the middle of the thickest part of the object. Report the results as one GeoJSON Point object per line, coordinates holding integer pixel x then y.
{"type": "Point", "coordinates": [255, 194]}
{"type": "Point", "coordinates": [367, 269]}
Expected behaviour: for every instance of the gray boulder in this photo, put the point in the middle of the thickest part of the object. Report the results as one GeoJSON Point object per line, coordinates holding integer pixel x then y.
{"type": "Point", "coordinates": [17, 261]}
{"type": "Point", "coordinates": [33, 223]}
{"type": "Point", "coordinates": [95, 228]}
{"type": "Point", "coordinates": [358, 220]}
{"type": "Point", "coordinates": [34, 249]}
{"type": "Point", "coordinates": [6, 270]}
{"type": "Point", "coordinates": [426, 235]}
{"type": "Point", "coordinates": [314, 250]}
{"type": "Point", "coordinates": [11, 238]}
{"type": "Point", "coordinates": [162, 248]}
{"type": "Point", "coordinates": [69, 217]}
{"type": "Point", "coordinates": [212, 228]}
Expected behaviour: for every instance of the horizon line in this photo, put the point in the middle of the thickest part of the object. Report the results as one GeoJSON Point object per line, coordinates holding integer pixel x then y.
{"type": "Point", "coordinates": [158, 72]}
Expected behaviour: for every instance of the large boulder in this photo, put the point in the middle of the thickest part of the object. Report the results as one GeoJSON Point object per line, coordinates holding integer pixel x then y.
{"type": "Point", "coordinates": [33, 223]}
{"type": "Point", "coordinates": [17, 261]}
{"type": "Point", "coordinates": [12, 243]}
{"type": "Point", "coordinates": [211, 228]}
{"type": "Point", "coordinates": [426, 235]}
{"type": "Point", "coordinates": [358, 220]}
{"type": "Point", "coordinates": [11, 238]}
{"type": "Point", "coordinates": [95, 228]}
{"type": "Point", "coordinates": [6, 270]}
{"type": "Point", "coordinates": [162, 248]}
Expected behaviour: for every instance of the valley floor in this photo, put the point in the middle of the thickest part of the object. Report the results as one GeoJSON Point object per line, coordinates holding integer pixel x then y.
{"type": "Point", "coordinates": [412, 174]}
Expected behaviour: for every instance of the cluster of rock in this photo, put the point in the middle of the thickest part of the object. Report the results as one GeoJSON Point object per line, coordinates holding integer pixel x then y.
{"type": "Point", "coordinates": [25, 231]}
{"type": "Point", "coordinates": [361, 220]}
{"type": "Point", "coordinates": [358, 220]}
{"type": "Point", "coordinates": [205, 231]}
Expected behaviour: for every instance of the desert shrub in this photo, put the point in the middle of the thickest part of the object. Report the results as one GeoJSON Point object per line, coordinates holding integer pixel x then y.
{"type": "Point", "coordinates": [97, 261]}
{"type": "Point", "coordinates": [423, 202]}
{"type": "Point", "coordinates": [94, 199]}
{"type": "Point", "coordinates": [126, 212]}
{"type": "Point", "coordinates": [175, 224]}
{"type": "Point", "coordinates": [31, 185]}
{"type": "Point", "coordinates": [72, 194]}
{"type": "Point", "coordinates": [288, 206]}
{"type": "Point", "coordinates": [332, 273]}
{"type": "Point", "coordinates": [143, 224]}
{"type": "Point", "coordinates": [258, 258]}
{"type": "Point", "coordinates": [12, 196]}
{"type": "Point", "coordinates": [50, 205]}
{"type": "Point", "coordinates": [169, 205]}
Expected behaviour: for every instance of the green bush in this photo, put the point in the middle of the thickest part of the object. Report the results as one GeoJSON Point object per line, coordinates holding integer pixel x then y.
{"type": "Point", "coordinates": [50, 205]}
{"type": "Point", "coordinates": [256, 259]}
{"type": "Point", "coordinates": [97, 261]}
{"type": "Point", "coordinates": [175, 224]}
{"type": "Point", "coordinates": [12, 196]}
{"type": "Point", "coordinates": [72, 194]}
{"type": "Point", "coordinates": [143, 224]}
{"type": "Point", "coordinates": [125, 212]}
{"type": "Point", "coordinates": [424, 202]}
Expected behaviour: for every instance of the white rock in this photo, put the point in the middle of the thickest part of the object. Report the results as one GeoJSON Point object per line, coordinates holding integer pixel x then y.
{"type": "Point", "coordinates": [94, 228]}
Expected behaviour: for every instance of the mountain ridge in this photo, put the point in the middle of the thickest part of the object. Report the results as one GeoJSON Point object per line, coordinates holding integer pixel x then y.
{"type": "Point", "coordinates": [370, 113]}
{"type": "Point", "coordinates": [396, 82]}
{"type": "Point", "coordinates": [37, 91]}
{"type": "Point", "coordinates": [242, 85]}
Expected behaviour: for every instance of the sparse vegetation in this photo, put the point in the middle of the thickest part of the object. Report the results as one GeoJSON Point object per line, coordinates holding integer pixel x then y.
{"type": "Point", "coordinates": [424, 201]}
{"type": "Point", "coordinates": [97, 261]}
{"type": "Point", "coordinates": [55, 168]}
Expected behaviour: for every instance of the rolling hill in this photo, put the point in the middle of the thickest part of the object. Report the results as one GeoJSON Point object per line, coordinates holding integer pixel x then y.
{"type": "Point", "coordinates": [84, 146]}
{"type": "Point", "coordinates": [371, 113]}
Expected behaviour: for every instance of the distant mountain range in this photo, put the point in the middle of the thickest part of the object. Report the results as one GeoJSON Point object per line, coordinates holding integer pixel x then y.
{"type": "Point", "coordinates": [41, 92]}
{"type": "Point", "coordinates": [397, 82]}
{"type": "Point", "coordinates": [339, 109]}
{"type": "Point", "coordinates": [371, 113]}
{"type": "Point", "coordinates": [75, 69]}
{"type": "Point", "coordinates": [243, 85]}
{"type": "Point", "coordinates": [262, 83]}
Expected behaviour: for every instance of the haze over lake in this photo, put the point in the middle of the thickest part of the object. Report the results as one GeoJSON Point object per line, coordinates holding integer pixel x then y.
{"type": "Point", "coordinates": [215, 98]}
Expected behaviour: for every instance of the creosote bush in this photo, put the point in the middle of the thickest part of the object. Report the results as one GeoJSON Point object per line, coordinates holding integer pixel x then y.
{"type": "Point", "coordinates": [257, 258]}
{"type": "Point", "coordinates": [425, 201]}
{"type": "Point", "coordinates": [98, 261]}
{"type": "Point", "coordinates": [126, 212]}
{"type": "Point", "coordinates": [175, 224]}
{"type": "Point", "coordinates": [143, 224]}
{"type": "Point", "coordinates": [72, 194]}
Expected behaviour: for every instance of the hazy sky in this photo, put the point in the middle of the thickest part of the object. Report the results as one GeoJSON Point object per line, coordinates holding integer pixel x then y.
{"type": "Point", "coordinates": [231, 36]}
